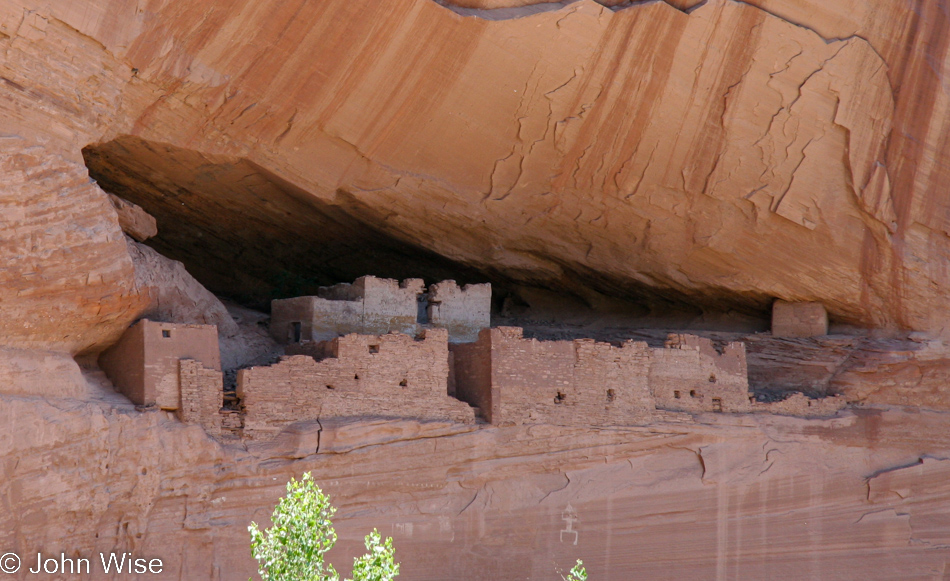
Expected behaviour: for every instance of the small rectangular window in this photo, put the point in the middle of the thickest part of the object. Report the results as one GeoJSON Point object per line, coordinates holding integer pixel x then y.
{"type": "Point", "coordinates": [166, 333]}
{"type": "Point", "coordinates": [295, 331]}
{"type": "Point", "coordinates": [716, 404]}
{"type": "Point", "coordinates": [374, 348]}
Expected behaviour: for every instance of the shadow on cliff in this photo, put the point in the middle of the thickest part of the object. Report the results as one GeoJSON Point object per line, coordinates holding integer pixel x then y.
{"type": "Point", "coordinates": [248, 234]}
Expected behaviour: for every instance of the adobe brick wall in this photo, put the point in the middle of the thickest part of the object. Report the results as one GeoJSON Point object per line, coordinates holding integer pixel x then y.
{"type": "Point", "coordinates": [202, 395]}
{"type": "Point", "coordinates": [376, 306]}
{"type": "Point", "coordinates": [463, 311]}
{"type": "Point", "coordinates": [799, 320]}
{"type": "Point", "coordinates": [144, 366]}
{"type": "Point", "coordinates": [559, 382]}
{"type": "Point", "coordinates": [689, 375]}
{"type": "Point", "coordinates": [370, 306]}
{"type": "Point", "coordinates": [389, 375]}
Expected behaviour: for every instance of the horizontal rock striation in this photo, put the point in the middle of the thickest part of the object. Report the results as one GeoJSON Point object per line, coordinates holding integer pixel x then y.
{"type": "Point", "coordinates": [582, 149]}
{"type": "Point", "coordinates": [706, 156]}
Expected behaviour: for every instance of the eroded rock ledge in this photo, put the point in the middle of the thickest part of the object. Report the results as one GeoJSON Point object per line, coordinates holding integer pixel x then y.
{"type": "Point", "coordinates": [537, 151]}
{"type": "Point", "coordinates": [707, 157]}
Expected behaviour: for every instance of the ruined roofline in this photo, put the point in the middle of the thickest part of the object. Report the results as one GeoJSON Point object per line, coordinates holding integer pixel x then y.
{"type": "Point", "coordinates": [388, 375]}
{"type": "Point", "coordinates": [515, 380]}
{"type": "Point", "coordinates": [373, 305]}
{"type": "Point", "coordinates": [509, 379]}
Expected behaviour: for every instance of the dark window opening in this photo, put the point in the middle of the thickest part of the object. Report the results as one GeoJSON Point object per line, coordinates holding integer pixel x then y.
{"type": "Point", "coordinates": [716, 404]}
{"type": "Point", "coordinates": [610, 395]}
{"type": "Point", "coordinates": [751, 399]}
{"type": "Point", "coordinates": [404, 383]}
{"type": "Point", "coordinates": [295, 331]}
{"type": "Point", "coordinates": [559, 398]}
{"type": "Point", "coordinates": [676, 394]}
{"type": "Point", "coordinates": [330, 387]}
{"type": "Point", "coordinates": [712, 378]}
{"type": "Point", "coordinates": [374, 348]}
{"type": "Point", "coordinates": [356, 377]}
{"type": "Point", "coordinates": [166, 334]}
{"type": "Point", "coordinates": [422, 311]}
{"type": "Point", "coordinates": [692, 393]}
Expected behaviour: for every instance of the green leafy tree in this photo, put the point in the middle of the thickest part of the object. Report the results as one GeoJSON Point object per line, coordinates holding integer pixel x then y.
{"type": "Point", "coordinates": [378, 564]}
{"type": "Point", "coordinates": [578, 572]}
{"type": "Point", "coordinates": [293, 548]}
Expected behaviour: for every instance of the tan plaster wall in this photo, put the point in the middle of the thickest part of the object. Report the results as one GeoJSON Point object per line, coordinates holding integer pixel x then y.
{"type": "Point", "coordinates": [464, 311]}
{"type": "Point", "coordinates": [144, 364]}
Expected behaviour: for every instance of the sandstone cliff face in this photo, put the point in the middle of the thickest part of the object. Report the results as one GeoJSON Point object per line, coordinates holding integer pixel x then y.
{"type": "Point", "coordinates": [723, 497]}
{"type": "Point", "coordinates": [707, 155]}
{"type": "Point", "coordinates": [718, 158]}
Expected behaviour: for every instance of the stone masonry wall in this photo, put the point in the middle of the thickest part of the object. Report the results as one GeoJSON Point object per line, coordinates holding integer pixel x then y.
{"type": "Point", "coordinates": [689, 375]}
{"type": "Point", "coordinates": [559, 382]}
{"type": "Point", "coordinates": [144, 366]}
{"type": "Point", "coordinates": [201, 395]}
{"type": "Point", "coordinates": [389, 375]}
{"type": "Point", "coordinates": [376, 306]}
{"type": "Point", "coordinates": [463, 311]}
{"type": "Point", "coordinates": [390, 306]}
{"type": "Point", "coordinates": [472, 373]}
{"type": "Point", "coordinates": [514, 380]}
{"type": "Point", "coordinates": [370, 306]}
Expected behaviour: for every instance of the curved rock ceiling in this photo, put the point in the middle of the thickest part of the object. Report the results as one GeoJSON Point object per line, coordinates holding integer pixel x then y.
{"type": "Point", "coordinates": [250, 235]}
{"type": "Point", "coordinates": [721, 157]}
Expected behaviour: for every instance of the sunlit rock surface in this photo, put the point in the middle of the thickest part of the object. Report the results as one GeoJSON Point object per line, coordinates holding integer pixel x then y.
{"type": "Point", "coordinates": [705, 157]}
{"type": "Point", "coordinates": [717, 158]}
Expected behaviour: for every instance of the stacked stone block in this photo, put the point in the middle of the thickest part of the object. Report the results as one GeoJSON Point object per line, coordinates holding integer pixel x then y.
{"type": "Point", "coordinates": [377, 306]}
{"type": "Point", "coordinates": [799, 320]}
{"type": "Point", "coordinates": [464, 311]}
{"type": "Point", "coordinates": [389, 375]}
{"type": "Point", "coordinates": [201, 395]}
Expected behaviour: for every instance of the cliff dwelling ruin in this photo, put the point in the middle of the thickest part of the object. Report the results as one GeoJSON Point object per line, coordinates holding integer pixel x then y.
{"type": "Point", "coordinates": [659, 285]}
{"type": "Point", "coordinates": [390, 349]}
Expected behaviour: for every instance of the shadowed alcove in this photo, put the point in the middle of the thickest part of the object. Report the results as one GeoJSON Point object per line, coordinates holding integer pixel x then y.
{"type": "Point", "coordinates": [252, 236]}
{"type": "Point", "coordinates": [247, 234]}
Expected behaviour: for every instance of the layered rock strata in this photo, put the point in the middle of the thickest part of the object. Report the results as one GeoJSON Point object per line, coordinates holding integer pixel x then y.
{"type": "Point", "coordinates": [712, 156]}
{"type": "Point", "coordinates": [535, 148]}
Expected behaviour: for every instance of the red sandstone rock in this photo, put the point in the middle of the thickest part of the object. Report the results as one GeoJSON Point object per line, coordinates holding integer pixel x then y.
{"type": "Point", "coordinates": [174, 295]}
{"type": "Point", "coordinates": [738, 153]}
{"type": "Point", "coordinates": [133, 220]}
{"type": "Point", "coordinates": [797, 169]}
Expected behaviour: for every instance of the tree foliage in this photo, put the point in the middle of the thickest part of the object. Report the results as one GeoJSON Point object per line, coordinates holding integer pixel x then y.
{"type": "Point", "coordinates": [577, 573]}
{"type": "Point", "coordinates": [293, 548]}
{"type": "Point", "coordinates": [379, 563]}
